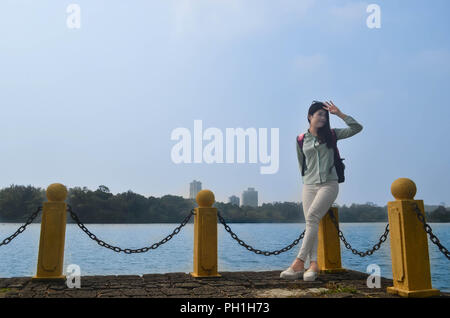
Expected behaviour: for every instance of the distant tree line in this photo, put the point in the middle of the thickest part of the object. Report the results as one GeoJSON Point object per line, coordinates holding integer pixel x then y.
{"type": "Point", "coordinates": [101, 206]}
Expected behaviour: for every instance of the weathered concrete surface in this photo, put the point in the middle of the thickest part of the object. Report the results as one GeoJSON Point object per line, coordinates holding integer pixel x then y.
{"type": "Point", "coordinates": [181, 285]}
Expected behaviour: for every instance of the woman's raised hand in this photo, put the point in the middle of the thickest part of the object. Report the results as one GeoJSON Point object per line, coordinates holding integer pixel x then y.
{"type": "Point", "coordinates": [332, 108]}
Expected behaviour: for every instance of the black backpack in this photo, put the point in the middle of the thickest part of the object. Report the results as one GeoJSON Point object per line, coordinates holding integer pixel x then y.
{"type": "Point", "coordinates": [339, 165]}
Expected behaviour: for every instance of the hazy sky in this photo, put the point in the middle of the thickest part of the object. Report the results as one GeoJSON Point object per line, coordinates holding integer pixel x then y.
{"type": "Point", "coordinates": [97, 105]}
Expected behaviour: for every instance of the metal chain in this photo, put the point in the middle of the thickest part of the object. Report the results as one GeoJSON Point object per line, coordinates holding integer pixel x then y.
{"type": "Point", "coordinates": [128, 250]}
{"type": "Point", "coordinates": [22, 228]}
{"type": "Point", "coordinates": [251, 249]}
{"type": "Point", "coordinates": [348, 246]}
{"type": "Point", "coordinates": [428, 229]}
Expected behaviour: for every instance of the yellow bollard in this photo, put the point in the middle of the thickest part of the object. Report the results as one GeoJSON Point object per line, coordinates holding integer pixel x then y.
{"type": "Point", "coordinates": [205, 236]}
{"type": "Point", "coordinates": [53, 232]}
{"type": "Point", "coordinates": [329, 248]}
{"type": "Point", "coordinates": [409, 244]}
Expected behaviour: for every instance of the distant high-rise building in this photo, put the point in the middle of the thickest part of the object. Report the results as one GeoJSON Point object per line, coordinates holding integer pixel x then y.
{"type": "Point", "coordinates": [234, 200]}
{"type": "Point", "coordinates": [250, 197]}
{"type": "Point", "coordinates": [194, 188]}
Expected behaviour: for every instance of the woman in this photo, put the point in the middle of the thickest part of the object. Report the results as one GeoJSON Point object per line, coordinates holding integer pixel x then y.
{"type": "Point", "coordinates": [320, 181]}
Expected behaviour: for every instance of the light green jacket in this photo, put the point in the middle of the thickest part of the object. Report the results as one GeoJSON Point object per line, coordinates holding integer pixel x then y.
{"type": "Point", "coordinates": [319, 158]}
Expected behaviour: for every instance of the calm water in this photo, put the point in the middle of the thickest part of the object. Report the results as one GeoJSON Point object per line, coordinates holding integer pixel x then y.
{"type": "Point", "coordinates": [19, 258]}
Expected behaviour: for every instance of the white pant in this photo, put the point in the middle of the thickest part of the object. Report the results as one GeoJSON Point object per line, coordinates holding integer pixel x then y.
{"type": "Point", "coordinates": [317, 200]}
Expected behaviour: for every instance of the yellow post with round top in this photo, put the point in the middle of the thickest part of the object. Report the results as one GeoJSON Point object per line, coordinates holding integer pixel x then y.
{"type": "Point", "coordinates": [205, 236]}
{"type": "Point", "coordinates": [409, 243]}
{"type": "Point", "coordinates": [53, 232]}
{"type": "Point", "coordinates": [329, 248]}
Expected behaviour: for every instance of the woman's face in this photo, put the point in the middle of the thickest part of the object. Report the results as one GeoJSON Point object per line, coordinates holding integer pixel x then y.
{"type": "Point", "coordinates": [319, 118]}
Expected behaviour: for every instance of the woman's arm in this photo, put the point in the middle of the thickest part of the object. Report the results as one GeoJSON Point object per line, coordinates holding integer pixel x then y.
{"type": "Point", "coordinates": [354, 126]}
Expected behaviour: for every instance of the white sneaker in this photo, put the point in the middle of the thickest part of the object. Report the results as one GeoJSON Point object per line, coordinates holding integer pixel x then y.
{"type": "Point", "coordinates": [310, 275]}
{"type": "Point", "coordinates": [291, 274]}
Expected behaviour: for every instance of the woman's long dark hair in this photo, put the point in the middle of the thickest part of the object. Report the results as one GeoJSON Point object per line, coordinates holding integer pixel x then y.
{"type": "Point", "coordinates": [324, 133]}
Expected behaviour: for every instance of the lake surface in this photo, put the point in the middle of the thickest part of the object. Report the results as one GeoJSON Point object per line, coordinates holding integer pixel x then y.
{"type": "Point", "coordinates": [19, 258]}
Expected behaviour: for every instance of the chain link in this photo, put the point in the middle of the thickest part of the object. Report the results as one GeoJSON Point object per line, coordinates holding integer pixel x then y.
{"type": "Point", "coordinates": [256, 251]}
{"type": "Point", "coordinates": [428, 229]}
{"type": "Point", "coordinates": [22, 228]}
{"type": "Point", "coordinates": [128, 250]}
{"type": "Point", "coordinates": [348, 246]}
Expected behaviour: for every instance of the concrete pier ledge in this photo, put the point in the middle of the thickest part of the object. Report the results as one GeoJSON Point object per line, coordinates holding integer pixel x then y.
{"type": "Point", "coordinates": [349, 284]}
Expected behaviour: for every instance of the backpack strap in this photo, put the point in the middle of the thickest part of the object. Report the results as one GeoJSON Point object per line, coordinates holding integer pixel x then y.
{"type": "Point", "coordinates": [300, 139]}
